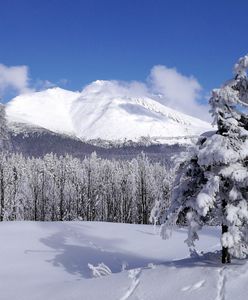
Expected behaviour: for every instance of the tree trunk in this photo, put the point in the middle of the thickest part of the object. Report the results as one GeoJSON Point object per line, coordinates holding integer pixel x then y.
{"type": "Point", "coordinates": [226, 259]}
{"type": "Point", "coordinates": [2, 196]}
{"type": "Point", "coordinates": [225, 253]}
{"type": "Point", "coordinates": [61, 204]}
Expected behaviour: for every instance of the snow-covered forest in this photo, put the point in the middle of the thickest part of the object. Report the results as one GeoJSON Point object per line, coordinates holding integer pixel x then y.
{"type": "Point", "coordinates": [64, 188]}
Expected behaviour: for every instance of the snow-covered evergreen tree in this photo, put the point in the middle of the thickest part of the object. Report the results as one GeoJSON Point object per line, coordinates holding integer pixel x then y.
{"type": "Point", "coordinates": [212, 184]}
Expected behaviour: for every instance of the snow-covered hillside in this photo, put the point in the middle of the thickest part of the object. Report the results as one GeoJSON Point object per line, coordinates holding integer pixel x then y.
{"type": "Point", "coordinates": [49, 109]}
{"type": "Point", "coordinates": [100, 111]}
{"type": "Point", "coordinates": [108, 261]}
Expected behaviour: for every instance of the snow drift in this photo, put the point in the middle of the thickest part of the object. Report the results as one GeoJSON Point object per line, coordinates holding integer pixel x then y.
{"type": "Point", "coordinates": [101, 111]}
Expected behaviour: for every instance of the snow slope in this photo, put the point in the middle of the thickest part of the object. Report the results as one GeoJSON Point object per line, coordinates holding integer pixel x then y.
{"type": "Point", "coordinates": [49, 109]}
{"type": "Point", "coordinates": [107, 261]}
{"type": "Point", "coordinates": [101, 111]}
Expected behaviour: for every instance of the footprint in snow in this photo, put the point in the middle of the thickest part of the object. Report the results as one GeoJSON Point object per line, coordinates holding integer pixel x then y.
{"type": "Point", "coordinates": [196, 286]}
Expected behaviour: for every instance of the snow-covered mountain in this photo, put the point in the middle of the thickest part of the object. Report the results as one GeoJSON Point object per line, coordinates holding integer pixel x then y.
{"type": "Point", "coordinates": [100, 111]}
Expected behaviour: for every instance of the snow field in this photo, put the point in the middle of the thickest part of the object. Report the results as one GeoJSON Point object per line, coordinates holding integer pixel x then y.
{"type": "Point", "coordinates": [57, 261]}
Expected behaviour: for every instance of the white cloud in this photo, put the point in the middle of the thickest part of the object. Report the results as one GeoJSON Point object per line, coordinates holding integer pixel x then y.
{"type": "Point", "coordinates": [177, 91]}
{"type": "Point", "coordinates": [63, 81]}
{"type": "Point", "coordinates": [40, 84]}
{"type": "Point", "coordinates": [43, 84]}
{"type": "Point", "coordinates": [116, 88]}
{"type": "Point", "coordinates": [14, 78]}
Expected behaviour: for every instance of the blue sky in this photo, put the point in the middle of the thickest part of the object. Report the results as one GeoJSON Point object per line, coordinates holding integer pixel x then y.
{"type": "Point", "coordinates": [73, 42]}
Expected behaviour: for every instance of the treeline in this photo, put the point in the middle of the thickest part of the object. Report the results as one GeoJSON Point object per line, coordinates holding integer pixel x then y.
{"type": "Point", "coordinates": [65, 188]}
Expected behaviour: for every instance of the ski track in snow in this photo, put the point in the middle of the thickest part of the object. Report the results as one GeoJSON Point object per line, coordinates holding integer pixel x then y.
{"type": "Point", "coordinates": [134, 275]}
{"type": "Point", "coordinates": [193, 287]}
{"type": "Point", "coordinates": [221, 284]}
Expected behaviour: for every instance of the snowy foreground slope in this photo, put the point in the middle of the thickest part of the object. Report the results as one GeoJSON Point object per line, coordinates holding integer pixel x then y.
{"type": "Point", "coordinates": [100, 111]}
{"type": "Point", "coordinates": [56, 261]}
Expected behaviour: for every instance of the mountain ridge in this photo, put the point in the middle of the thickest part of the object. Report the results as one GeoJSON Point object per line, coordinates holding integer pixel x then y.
{"type": "Point", "coordinates": [99, 112]}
